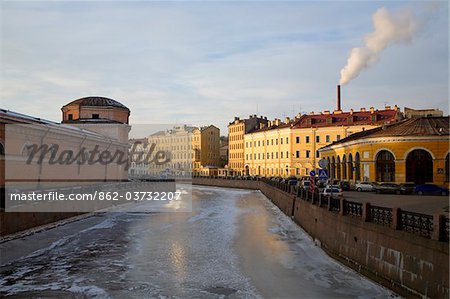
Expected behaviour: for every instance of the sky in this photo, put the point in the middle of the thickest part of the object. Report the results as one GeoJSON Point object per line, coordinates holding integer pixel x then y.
{"type": "Point", "coordinates": [201, 63]}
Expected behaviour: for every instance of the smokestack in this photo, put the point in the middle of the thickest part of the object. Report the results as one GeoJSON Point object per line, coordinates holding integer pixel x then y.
{"type": "Point", "coordinates": [338, 98]}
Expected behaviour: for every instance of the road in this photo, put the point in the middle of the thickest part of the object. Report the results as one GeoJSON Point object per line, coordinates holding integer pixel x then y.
{"type": "Point", "coordinates": [413, 203]}
{"type": "Point", "coordinates": [235, 244]}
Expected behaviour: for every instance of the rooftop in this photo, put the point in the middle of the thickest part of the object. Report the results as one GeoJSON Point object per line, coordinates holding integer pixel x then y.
{"type": "Point", "coordinates": [97, 101]}
{"type": "Point", "coordinates": [425, 126]}
{"type": "Point", "coordinates": [351, 118]}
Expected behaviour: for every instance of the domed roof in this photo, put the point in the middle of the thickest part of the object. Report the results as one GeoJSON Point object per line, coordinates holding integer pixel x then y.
{"type": "Point", "coordinates": [97, 101]}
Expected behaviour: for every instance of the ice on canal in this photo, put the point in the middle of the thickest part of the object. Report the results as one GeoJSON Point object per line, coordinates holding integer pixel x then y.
{"type": "Point", "coordinates": [235, 244]}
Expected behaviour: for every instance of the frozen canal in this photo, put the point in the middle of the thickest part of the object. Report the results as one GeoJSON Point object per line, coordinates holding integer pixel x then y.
{"type": "Point", "coordinates": [235, 244]}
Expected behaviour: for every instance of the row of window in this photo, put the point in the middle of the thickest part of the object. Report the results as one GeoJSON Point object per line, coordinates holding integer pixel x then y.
{"type": "Point", "coordinates": [235, 146]}
{"type": "Point", "coordinates": [235, 129]}
{"type": "Point", "coordinates": [260, 156]}
{"type": "Point", "coordinates": [236, 155]}
{"type": "Point", "coordinates": [297, 140]}
{"type": "Point", "coordinates": [249, 143]}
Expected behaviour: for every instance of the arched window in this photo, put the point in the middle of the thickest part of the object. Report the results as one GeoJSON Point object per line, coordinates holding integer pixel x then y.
{"type": "Point", "coordinates": [344, 167]}
{"type": "Point", "coordinates": [419, 167]}
{"type": "Point", "coordinates": [338, 167]}
{"type": "Point", "coordinates": [385, 166]}
{"type": "Point", "coordinates": [358, 167]}
{"type": "Point", "coordinates": [350, 167]}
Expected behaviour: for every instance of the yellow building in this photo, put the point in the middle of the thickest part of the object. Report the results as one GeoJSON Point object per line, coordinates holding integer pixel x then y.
{"type": "Point", "coordinates": [413, 150]}
{"type": "Point", "coordinates": [313, 131]}
{"type": "Point", "coordinates": [268, 150]}
{"type": "Point", "coordinates": [206, 147]}
{"type": "Point", "coordinates": [236, 131]}
{"type": "Point", "coordinates": [291, 147]}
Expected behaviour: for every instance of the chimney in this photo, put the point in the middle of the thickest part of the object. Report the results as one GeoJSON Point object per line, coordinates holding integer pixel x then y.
{"type": "Point", "coordinates": [338, 98]}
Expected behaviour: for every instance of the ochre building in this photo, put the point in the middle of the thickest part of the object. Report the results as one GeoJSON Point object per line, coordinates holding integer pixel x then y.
{"type": "Point", "coordinates": [414, 150]}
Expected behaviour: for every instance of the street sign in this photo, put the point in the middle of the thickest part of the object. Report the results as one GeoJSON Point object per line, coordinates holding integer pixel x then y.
{"type": "Point", "coordinates": [323, 174]}
{"type": "Point", "coordinates": [323, 163]}
{"type": "Point", "coordinates": [312, 173]}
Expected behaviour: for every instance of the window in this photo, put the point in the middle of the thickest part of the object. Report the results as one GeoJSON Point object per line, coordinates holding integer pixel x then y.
{"type": "Point", "coordinates": [287, 140]}
{"type": "Point", "coordinates": [297, 154]}
{"type": "Point", "coordinates": [70, 116]}
{"type": "Point", "coordinates": [281, 154]}
{"type": "Point", "coordinates": [307, 139]}
{"type": "Point", "coordinates": [281, 140]}
{"type": "Point", "coordinates": [276, 155]}
{"type": "Point", "coordinates": [297, 139]}
{"type": "Point", "coordinates": [267, 141]}
{"type": "Point", "coordinates": [287, 154]}
{"type": "Point", "coordinates": [272, 141]}
{"type": "Point", "coordinates": [259, 143]}
{"type": "Point", "coordinates": [338, 137]}
{"type": "Point", "coordinates": [327, 138]}
{"type": "Point", "coordinates": [317, 154]}
{"type": "Point", "coordinates": [276, 141]}
{"type": "Point", "coordinates": [95, 116]}
{"type": "Point", "coordinates": [317, 139]}
{"type": "Point", "coordinates": [307, 154]}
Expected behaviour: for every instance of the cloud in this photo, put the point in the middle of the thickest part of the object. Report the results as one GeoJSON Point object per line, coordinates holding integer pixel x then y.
{"type": "Point", "coordinates": [204, 63]}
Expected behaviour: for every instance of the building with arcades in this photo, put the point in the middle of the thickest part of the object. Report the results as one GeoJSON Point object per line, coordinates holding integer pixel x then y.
{"type": "Point", "coordinates": [414, 150]}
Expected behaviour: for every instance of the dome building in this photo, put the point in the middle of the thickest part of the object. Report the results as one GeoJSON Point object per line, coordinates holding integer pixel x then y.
{"type": "Point", "coordinates": [103, 115]}
{"type": "Point", "coordinates": [95, 109]}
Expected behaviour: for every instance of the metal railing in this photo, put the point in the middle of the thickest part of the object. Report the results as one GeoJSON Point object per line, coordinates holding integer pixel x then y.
{"type": "Point", "coordinates": [381, 215]}
{"type": "Point", "coordinates": [417, 223]}
{"type": "Point", "coordinates": [353, 208]}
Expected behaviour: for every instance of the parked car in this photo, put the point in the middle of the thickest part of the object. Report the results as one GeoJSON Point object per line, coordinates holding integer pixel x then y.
{"type": "Point", "coordinates": [430, 189]}
{"type": "Point", "coordinates": [333, 192]}
{"type": "Point", "coordinates": [406, 188]}
{"type": "Point", "coordinates": [345, 185]}
{"type": "Point", "coordinates": [364, 186]}
{"type": "Point", "coordinates": [386, 188]}
{"type": "Point", "coordinates": [337, 186]}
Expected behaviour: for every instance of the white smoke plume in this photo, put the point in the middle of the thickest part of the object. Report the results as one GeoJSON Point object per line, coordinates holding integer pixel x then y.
{"type": "Point", "coordinates": [388, 30]}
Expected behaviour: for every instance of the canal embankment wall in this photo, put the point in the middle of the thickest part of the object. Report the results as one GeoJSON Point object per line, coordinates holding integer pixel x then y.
{"type": "Point", "coordinates": [407, 252]}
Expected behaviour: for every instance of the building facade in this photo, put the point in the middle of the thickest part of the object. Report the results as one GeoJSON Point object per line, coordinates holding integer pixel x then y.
{"type": "Point", "coordinates": [206, 146]}
{"type": "Point", "coordinates": [268, 150]}
{"type": "Point", "coordinates": [414, 150]}
{"type": "Point", "coordinates": [236, 131]}
{"type": "Point", "coordinates": [291, 147]}
{"type": "Point", "coordinates": [314, 131]}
